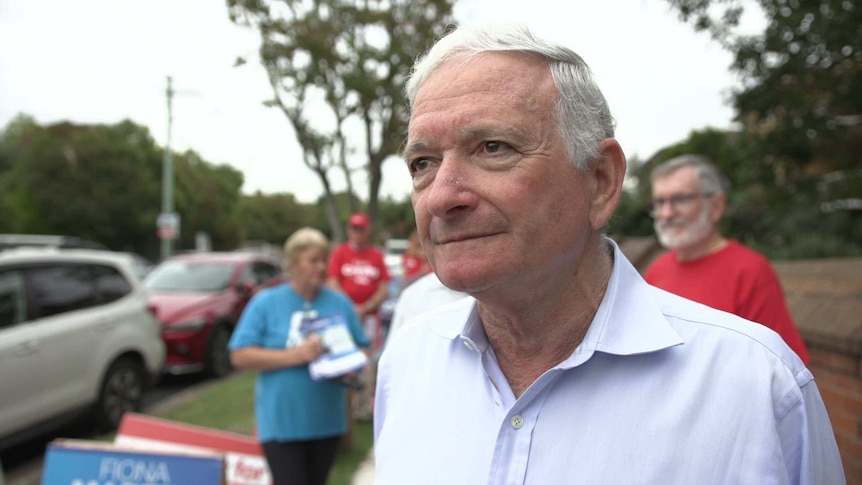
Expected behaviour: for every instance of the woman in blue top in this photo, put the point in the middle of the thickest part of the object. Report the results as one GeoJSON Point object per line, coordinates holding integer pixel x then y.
{"type": "Point", "coordinates": [299, 420]}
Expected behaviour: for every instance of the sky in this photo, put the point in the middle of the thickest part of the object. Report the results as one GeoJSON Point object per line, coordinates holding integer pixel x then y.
{"type": "Point", "coordinates": [102, 61]}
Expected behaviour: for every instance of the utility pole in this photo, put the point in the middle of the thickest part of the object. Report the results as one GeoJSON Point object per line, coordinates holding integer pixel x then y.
{"type": "Point", "coordinates": [168, 222]}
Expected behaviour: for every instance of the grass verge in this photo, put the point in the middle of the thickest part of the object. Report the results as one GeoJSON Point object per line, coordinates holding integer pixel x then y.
{"type": "Point", "coordinates": [228, 405]}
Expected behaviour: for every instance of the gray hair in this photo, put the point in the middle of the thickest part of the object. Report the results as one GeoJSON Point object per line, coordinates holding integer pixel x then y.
{"type": "Point", "coordinates": [710, 177]}
{"type": "Point", "coordinates": [298, 242]}
{"type": "Point", "coordinates": [583, 115]}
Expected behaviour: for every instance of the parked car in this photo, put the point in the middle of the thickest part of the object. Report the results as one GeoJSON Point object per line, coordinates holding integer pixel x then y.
{"type": "Point", "coordinates": [76, 337]}
{"type": "Point", "coordinates": [141, 266]}
{"type": "Point", "coordinates": [199, 297]}
{"type": "Point", "coordinates": [8, 241]}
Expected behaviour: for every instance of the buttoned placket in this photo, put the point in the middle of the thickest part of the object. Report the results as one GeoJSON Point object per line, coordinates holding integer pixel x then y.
{"type": "Point", "coordinates": [517, 418]}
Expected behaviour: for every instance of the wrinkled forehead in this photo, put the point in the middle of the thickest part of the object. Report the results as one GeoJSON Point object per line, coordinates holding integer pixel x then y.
{"type": "Point", "coordinates": [680, 179]}
{"type": "Point", "coordinates": [485, 83]}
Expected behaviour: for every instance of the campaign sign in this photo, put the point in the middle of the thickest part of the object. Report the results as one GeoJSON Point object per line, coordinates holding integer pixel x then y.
{"type": "Point", "coordinates": [244, 460]}
{"type": "Point", "coordinates": [78, 462]}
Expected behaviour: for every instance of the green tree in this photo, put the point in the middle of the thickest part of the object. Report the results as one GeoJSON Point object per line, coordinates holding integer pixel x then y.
{"type": "Point", "coordinates": [92, 181]}
{"type": "Point", "coordinates": [800, 77]}
{"type": "Point", "coordinates": [14, 203]}
{"type": "Point", "coordinates": [784, 221]}
{"type": "Point", "coordinates": [349, 60]}
{"type": "Point", "coordinates": [397, 218]}
{"type": "Point", "coordinates": [272, 218]}
{"type": "Point", "coordinates": [801, 111]}
{"type": "Point", "coordinates": [103, 182]}
{"type": "Point", "coordinates": [207, 199]}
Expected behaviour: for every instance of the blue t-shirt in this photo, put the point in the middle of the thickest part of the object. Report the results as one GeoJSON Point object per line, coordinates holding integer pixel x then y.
{"type": "Point", "coordinates": [289, 404]}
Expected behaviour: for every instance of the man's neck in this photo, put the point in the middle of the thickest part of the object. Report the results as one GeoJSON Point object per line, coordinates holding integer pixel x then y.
{"type": "Point", "coordinates": [532, 338]}
{"type": "Point", "coordinates": [358, 246]}
{"type": "Point", "coordinates": [712, 244]}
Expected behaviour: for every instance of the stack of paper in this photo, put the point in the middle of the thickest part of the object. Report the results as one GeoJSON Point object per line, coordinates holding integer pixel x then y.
{"type": "Point", "coordinates": [342, 356]}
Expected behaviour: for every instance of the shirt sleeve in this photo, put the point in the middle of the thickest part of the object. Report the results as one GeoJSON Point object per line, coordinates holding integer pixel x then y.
{"type": "Point", "coordinates": [249, 330]}
{"type": "Point", "coordinates": [809, 449]}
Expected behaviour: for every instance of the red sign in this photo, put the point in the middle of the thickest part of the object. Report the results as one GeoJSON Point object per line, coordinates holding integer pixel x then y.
{"type": "Point", "coordinates": [245, 463]}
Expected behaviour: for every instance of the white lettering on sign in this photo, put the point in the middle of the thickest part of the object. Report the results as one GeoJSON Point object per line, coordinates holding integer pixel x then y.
{"type": "Point", "coordinates": [248, 471]}
{"type": "Point", "coordinates": [135, 471]}
{"type": "Point", "coordinates": [243, 469]}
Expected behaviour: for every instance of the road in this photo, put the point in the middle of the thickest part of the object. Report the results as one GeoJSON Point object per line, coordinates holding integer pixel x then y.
{"type": "Point", "coordinates": [22, 464]}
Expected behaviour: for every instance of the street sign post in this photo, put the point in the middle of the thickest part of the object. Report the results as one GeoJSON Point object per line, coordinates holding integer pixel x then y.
{"type": "Point", "coordinates": [168, 226]}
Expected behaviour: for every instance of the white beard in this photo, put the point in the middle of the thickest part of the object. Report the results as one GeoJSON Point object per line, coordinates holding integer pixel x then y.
{"type": "Point", "coordinates": [678, 234]}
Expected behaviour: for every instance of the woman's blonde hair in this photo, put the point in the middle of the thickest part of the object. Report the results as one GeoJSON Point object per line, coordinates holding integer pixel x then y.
{"type": "Point", "coordinates": [302, 239]}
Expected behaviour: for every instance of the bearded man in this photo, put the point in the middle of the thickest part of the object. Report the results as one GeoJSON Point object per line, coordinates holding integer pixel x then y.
{"type": "Point", "coordinates": [689, 195]}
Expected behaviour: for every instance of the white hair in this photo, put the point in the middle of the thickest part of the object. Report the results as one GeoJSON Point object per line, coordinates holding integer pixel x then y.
{"type": "Point", "coordinates": [583, 115]}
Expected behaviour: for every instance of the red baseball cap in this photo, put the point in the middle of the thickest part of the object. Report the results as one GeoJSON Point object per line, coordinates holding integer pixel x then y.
{"type": "Point", "coordinates": [359, 220]}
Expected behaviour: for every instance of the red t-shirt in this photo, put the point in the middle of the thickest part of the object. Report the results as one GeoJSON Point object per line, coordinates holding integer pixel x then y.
{"type": "Point", "coordinates": [735, 279]}
{"type": "Point", "coordinates": [358, 272]}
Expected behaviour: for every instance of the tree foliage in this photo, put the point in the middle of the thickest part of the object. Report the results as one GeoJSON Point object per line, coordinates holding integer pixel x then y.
{"type": "Point", "coordinates": [272, 218]}
{"type": "Point", "coordinates": [350, 58]}
{"type": "Point", "coordinates": [795, 162]}
{"type": "Point", "coordinates": [800, 78]}
{"type": "Point", "coordinates": [103, 182]}
{"type": "Point", "coordinates": [783, 221]}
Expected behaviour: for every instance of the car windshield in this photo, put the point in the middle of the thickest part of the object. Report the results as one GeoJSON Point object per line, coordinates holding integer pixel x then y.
{"type": "Point", "coordinates": [189, 276]}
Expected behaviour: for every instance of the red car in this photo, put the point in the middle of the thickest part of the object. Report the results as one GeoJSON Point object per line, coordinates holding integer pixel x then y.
{"type": "Point", "coordinates": [198, 298]}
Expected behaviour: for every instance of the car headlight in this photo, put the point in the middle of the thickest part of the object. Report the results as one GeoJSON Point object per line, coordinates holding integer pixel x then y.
{"type": "Point", "coordinates": [193, 324]}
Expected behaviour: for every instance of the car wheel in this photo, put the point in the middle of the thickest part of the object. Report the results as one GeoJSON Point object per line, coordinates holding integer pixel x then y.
{"type": "Point", "coordinates": [218, 356]}
{"type": "Point", "coordinates": [121, 392]}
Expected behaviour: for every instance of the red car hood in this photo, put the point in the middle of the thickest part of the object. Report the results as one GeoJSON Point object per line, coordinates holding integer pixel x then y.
{"type": "Point", "coordinates": [175, 307]}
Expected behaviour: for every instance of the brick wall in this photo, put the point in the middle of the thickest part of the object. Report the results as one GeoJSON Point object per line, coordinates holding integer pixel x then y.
{"type": "Point", "coordinates": [837, 377]}
{"type": "Point", "coordinates": [825, 299]}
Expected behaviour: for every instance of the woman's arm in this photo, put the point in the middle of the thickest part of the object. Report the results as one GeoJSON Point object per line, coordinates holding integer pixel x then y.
{"type": "Point", "coordinates": [259, 358]}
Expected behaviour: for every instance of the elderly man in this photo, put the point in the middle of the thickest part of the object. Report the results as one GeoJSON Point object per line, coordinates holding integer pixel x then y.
{"type": "Point", "coordinates": [567, 367]}
{"type": "Point", "coordinates": [688, 199]}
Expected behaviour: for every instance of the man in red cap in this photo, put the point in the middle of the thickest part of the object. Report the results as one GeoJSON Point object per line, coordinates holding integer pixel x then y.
{"type": "Point", "coordinates": [356, 268]}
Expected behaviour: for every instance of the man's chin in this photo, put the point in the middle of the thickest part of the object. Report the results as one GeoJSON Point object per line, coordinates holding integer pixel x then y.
{"type": "Point", "coordinates": [671, 241]}
{"type": "Point", "coordinates": [458, 277]}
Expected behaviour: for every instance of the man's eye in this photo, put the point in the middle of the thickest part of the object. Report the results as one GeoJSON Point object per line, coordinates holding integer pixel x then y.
{"type": "Point", "coordinates": [418, 165]}
{"type": "Point", "coordinates": [493, 146]}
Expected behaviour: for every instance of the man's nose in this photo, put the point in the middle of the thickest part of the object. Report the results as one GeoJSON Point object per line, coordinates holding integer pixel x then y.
{"type": "Point", "coordinates": [451, 190]}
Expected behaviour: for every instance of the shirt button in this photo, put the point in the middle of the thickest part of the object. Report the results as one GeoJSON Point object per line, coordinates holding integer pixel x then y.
{"type": "Point", "coordinates": [517, 421]}
{"type": "Point", "coordinates": [469, 346]}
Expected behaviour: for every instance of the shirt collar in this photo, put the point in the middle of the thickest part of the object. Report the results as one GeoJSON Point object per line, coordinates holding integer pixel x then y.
{"type": "Point", "coordinates": [627, 322]}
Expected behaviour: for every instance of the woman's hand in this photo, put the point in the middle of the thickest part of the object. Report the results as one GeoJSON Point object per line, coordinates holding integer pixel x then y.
{"type": "Point", "coordinates": [311, 348]}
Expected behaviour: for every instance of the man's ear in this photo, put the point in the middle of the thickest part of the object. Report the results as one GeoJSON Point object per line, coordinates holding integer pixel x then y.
{"type": "Point", "coordinates": [607, 173]}
{"type": "Point", "coordinates": [719, 203]}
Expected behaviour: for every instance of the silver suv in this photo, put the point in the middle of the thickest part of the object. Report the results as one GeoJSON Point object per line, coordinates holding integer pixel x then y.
{"type": "Point", "coordinates": [76, 336]}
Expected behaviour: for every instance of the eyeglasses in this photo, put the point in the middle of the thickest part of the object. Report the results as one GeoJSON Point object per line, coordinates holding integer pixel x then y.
{"type": "Point", "coordinates": [677, 202]}
{"type": "Point", "coordinates": [357, 228]}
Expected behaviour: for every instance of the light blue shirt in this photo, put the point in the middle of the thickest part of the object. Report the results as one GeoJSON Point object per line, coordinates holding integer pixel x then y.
{"type": "Point", "coordinates": [662, 390]}
{"type": "Point", "coordinates": [425, 294]}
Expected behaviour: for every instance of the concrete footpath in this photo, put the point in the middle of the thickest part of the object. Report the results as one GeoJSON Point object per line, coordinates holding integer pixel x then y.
{"type": "Point", "coordinates": [365, 474]}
